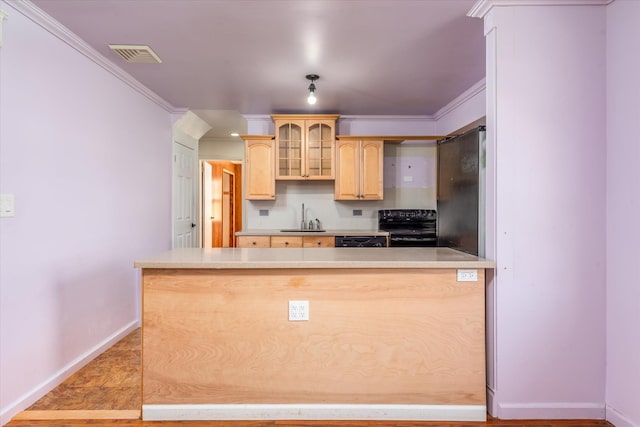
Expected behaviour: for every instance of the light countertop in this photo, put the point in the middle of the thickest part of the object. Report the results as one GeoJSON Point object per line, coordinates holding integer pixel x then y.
{"type": "Point", "coordinates": [276, 232]}
{"type": "Point", "coordinates": [255, 258]}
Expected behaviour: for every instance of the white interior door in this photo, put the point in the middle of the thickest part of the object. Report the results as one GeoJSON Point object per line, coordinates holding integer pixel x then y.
{"type": "Point", "coordinates": [184, 208]}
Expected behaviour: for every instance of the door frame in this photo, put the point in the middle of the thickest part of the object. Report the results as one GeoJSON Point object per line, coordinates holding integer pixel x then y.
{"type": "Point", "coordinates": [232, 202]}
{"type": "Point", "coordinates": [238, 191]}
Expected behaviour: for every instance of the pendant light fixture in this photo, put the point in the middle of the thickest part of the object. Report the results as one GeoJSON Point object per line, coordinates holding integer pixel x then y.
{"type": "Point", "coordinates": [312, 88]}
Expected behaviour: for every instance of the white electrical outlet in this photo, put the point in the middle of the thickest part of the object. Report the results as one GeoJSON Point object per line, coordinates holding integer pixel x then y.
{"type": "Point", "coordinates": [467, 275]}
{"type": "Point", "coordinates": [298, 311]}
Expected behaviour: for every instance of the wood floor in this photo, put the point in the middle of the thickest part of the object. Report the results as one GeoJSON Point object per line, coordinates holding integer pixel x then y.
{"type": "Point", "coordinates": [107, 392]}
{"type": "Point", "coordinates": [138, 423]}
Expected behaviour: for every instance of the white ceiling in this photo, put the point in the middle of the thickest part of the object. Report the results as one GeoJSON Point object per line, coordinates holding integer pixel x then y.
{"type": "Point", "coordinates": [374, 57]}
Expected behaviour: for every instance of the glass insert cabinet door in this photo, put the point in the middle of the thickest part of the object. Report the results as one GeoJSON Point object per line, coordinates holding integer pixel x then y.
{"type": "Point", "coordinates": [290, 149]}
{"type": "Point", "coordinates": [320, 143]}
{"type": "Point", "coordinates": [305, 148]}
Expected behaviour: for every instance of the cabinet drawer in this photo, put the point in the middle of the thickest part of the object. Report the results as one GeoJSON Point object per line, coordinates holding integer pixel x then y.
{"type": "Point", "coordinates": [318, 241]}
{"type": "Point", "coordinates": [253, 241]}
{"type": "Point", "coordinates": [286, 241]}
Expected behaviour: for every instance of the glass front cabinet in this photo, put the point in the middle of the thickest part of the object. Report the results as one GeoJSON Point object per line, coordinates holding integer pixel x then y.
{"type": "Point", "coordinates": [305, 146]}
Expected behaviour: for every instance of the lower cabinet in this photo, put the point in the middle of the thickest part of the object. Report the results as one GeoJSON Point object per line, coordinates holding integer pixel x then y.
{"type": "Point", "coordinates": [318, 241]}
{"type": "Point", "coordinates": [253, 241]}
{"type": "Point", "coordinates": [285, 241]}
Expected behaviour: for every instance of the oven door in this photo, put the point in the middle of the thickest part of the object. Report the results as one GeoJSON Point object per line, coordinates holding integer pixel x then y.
{"type": "Point", "coordinates": [396, 240]}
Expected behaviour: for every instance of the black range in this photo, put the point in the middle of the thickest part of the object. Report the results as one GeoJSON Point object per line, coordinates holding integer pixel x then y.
{"type": "Point", "coordinates": [409, 227]}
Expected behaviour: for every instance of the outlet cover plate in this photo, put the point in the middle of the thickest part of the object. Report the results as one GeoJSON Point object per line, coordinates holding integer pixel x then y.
{"type": "Point", "coordinates": [298, 310]}
{"type": "Point", "coordinates": [467, 276]}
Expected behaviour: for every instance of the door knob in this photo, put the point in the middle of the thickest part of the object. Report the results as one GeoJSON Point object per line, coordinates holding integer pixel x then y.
{"type": "Point", "coordinates": [192, 225]}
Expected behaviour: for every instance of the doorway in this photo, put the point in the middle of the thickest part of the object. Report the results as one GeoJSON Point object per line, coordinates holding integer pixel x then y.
{"type": "Point", "coordinates": [220, 203]}
{"type": "Point", "coordinates": [183, 196]}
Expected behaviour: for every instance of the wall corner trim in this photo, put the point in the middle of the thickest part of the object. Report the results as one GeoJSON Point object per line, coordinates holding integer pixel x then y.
{"type": "Point", "coordinates": [39, 17]}
{"type": "Point", "coordinates": [482, 7]}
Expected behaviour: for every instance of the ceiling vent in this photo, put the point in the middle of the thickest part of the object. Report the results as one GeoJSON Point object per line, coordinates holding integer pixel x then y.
{"type": "Point", "coordinates": [136, 54]}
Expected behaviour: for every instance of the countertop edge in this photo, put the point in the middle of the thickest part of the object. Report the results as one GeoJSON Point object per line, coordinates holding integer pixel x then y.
{"type": "Point", "coordinates": [315, 258]}
{"type": "Point", "coordinates": [315, 265]}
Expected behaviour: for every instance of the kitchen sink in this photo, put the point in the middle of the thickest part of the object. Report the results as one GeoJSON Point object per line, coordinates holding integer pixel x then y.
{"type": "Point", "coordinates": [299, 230]}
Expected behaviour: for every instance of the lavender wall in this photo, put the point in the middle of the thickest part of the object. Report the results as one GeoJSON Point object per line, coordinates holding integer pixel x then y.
{"type": "Point", "coordinates": [546, 160]}
{"type": "Point", "coordinates": [623, 210]}
{"type": "Point", "coordinates": [88, 160]}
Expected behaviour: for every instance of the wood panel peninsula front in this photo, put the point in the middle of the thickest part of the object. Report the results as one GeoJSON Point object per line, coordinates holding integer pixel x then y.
{"type": "Point", "coordinates": [392, 334]}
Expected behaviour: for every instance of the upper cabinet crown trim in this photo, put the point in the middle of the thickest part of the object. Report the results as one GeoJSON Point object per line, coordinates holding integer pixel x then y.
{"type": "Point", "coordinates": [305, 116]}
{"type": "Point", "coordinates": [254, 137]}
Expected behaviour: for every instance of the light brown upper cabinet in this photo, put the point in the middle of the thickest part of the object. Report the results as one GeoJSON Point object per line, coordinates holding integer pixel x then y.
{"type": "Point", "coordinates": [305, 146]}
{"type": "Point", "coordinates": [359, 169]}
{"type": "Point", "coordinates": [260, 182]}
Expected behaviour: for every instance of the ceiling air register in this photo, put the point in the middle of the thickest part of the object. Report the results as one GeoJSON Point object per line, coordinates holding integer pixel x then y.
{"type": "Point", "coordinates": [136, 54]}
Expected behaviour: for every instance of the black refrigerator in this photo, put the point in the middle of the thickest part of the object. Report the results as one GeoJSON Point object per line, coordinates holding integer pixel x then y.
{"type": "Point", "coordinates": [461, 191]}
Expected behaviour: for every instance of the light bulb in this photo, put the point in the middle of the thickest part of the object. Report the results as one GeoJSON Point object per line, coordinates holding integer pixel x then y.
{"type": "Point", "coordinates": [312, 98]}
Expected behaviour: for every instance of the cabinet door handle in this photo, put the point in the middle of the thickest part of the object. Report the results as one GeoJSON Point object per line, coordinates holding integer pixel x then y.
{"type": "Point", "coordinates": [254, 243]}
{"type": "Point", "coordinates": [286, 243]}
{"type": "Point", "coordinates": [319, 243]}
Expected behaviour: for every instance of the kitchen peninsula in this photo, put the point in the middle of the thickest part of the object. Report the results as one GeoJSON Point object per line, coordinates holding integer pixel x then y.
{"type": "Point", "coordinates": [392, 333]}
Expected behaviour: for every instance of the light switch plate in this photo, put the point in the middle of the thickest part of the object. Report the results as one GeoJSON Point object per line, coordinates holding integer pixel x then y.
{"type": "Point", "coordinates": [7, 206]}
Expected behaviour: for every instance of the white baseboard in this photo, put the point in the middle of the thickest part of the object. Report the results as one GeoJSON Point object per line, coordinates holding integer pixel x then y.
{"type": "Point", "coordinates": [555, 410]}
{"type": "Point", "coordinates": [314, 412]}
{"type": "Point", "coordinates": [56, 379]}
{"type": "Point", "coordinates": [618, 419]}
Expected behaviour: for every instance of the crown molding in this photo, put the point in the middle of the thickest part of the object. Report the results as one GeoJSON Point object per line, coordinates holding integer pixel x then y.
{"type": "Point", "coordinates": [257, 116]}
{"type": "Point", "coordinates": [425, 118]}
{"type": "Point", "coordinates": [461, 99]}
{"type": "Point", "coordinates": [482, 7]}
{"type": "Point", "coordinates": [39, 17]}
